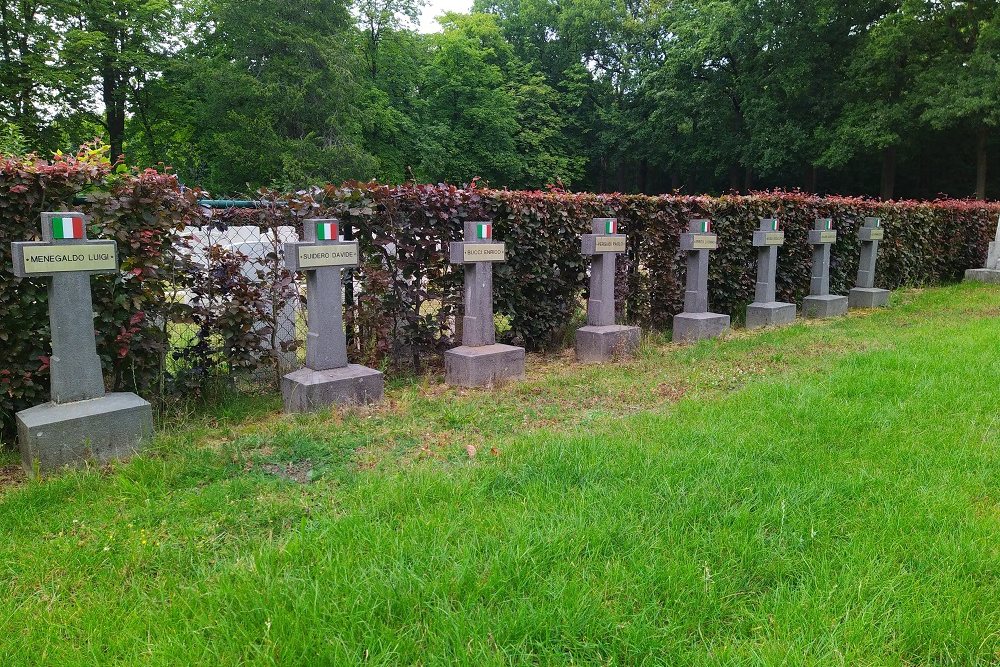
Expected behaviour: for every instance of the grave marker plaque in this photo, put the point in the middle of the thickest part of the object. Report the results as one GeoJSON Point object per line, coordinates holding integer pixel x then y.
{"type": "Point", "coordinates": [328, 378]}
{"type": "Point", "coordinates": [820, 303]}
{"type": "Point", "coordinates": [82, 422]}
{"type": "Point", "coordinates": [991, 272]}
{"type": "Point", "coordinates": [696, 323]}
{"type": "Point", "coordinates": [480, 361]}
{"type": "Point", "coordinates": [766, 310]}
{"type": "Point", "coordinates": [602, 340]}
{"type": "Point", "coordinates": [865, 294]}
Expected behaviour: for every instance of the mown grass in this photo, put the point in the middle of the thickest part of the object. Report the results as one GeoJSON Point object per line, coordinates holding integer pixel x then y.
{"type": "Point", "coordinates": [822, 494]}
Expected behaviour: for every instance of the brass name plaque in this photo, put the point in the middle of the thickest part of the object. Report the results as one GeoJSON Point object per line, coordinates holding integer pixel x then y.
{"type": "Point", "coordinates": [609, 244]}
{"type": "Point", "coordinates": [485, 252]}
{"type": "Point", "coordinates": [318, 256]}
{"type": "Point", "coordinates": [828, 237]}
{"type": "Point", "coordinates": [876, 234]}
{"type": "Point", "coordinates": [774, 238]}
{"type": "Point", "coordinates": [59, 259]}
{"type": "Point", "coordinates": [704, 242]}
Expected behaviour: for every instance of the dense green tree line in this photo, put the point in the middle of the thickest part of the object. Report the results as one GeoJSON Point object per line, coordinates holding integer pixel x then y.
{"type": "Point", "coordinates": [882, 97]}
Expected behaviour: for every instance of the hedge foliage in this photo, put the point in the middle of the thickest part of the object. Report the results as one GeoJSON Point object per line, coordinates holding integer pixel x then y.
{"type": "Point", "coordinates": [405, 295]}
{"type": "Point", "coordinates": [412, 294]}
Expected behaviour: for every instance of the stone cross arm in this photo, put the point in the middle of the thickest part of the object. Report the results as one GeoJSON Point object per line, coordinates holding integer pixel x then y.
{"type": "Point", "coordinates": [823, 232]}
{"type": "Point", "coordinates": [64, 249]}
{"type": "Point", "coordinates": [871, 231]}
{"type": "Point", "coordinates": [478, 246]}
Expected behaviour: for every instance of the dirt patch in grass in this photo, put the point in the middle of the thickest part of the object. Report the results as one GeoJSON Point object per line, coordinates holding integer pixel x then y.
{"type": "Point", "coordinates": [11, 475]}
{"type": "Point", "coordinates": [300, 472]}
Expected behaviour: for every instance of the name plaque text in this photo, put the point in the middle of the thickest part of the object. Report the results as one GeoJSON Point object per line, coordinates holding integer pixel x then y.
{"type": "Point", "coordinates": [876, 234]}
{"type": "Point", "coordinates": [774, 238]}
{"type": "Point", "coordinates": [484, 252]}
{"type": "Point", "coordinates": [318, 257]}
{"type": "Point", "coordinates": [828, 237]}
{"type": "Point", "coordinates": [609, 244]}
{"type": "Point", "coordinates": [58, 259]}
{"type": "Point", "coordinates": [704, 242]}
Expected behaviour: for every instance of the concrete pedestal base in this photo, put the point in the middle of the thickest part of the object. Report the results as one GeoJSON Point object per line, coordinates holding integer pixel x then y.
{"type": "Point", "coordinates": [54, 436]}
{"type": "Point", "coordinates": [597, 345]}
{"type": "Point", "coordinates": [868, 297]}
{"type": "Point", "coordinates": [483, 366]}
{"type": "Point", "coordinates": [692, 327]}
{"type": "Point", "coordinates": [991, 276]}
{"type": "Point", "coordinates": [769, 314]}
{"type": "Point", "coordinates": [831, 305]}
{"type": "Point", "coordinates": [307, 390]}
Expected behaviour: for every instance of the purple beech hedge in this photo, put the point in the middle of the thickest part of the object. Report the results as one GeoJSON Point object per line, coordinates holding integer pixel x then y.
{"type": "Point", "coordinates": [405, 295]}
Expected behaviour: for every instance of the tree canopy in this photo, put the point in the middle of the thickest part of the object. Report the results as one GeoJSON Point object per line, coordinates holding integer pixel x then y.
{"type": "Point", "coordinates": [893, 98]}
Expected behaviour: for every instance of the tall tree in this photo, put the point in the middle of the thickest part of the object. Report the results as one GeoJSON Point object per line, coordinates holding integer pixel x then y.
{"type": "Point", "coordinates": [961, 85]}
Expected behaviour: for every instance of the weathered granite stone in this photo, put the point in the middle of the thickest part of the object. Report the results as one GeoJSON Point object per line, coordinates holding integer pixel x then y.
{"type": "Point", "coordinates": [308, 390]}
{"type": "Point", "coordinates": [868, 297]}
{"type": "Point", "coordinates": [865, 294]}
{"type": "Point", "coordinates": [480, 361]}
{"type": "Point", "coordinates": [990, 276]}
{"type": "Point", "coordinates": [696, 323]}
{"type": "Point", "coordinates": [328, 379]}
{"type": "Point", "coordinates": [483, 365]}
{"type": "Point", "coordinates": [991, 272]}
{"type": "Point", "coordinates": [69, 435]}
{"type": "Point", "coordinates": [692, 327]}
{"type": "Point", "coordinates": [827, 305]}
{"type": "Point", "coordinates": [595, 345]}
{"type": "Point", "coordinates": [820, 303]}
{"type": "Point", "coordinates": [81, 422]}
{"type": "Point", "coordinates": [766, 310]}
{"type": "Point", "coordinates": [601, 340]}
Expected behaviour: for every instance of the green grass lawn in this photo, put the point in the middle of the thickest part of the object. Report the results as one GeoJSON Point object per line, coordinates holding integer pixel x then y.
{"type": "Point", "coordinates": [822, 494]}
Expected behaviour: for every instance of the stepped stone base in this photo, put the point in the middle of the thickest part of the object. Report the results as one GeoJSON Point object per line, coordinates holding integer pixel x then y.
{"type": "Point", "coordinates": [692, 327]}
{"type": "Point", "coordinates": [69, 435]}
{"type": "Point", "coordinates": [597, 345]}
{"type": "Point", "coordinates": [991, 276]}
{"type": "Point", "coordinates": [769, 314]}
{"type": "Point", "coordinates": [483, 366]}
{"type": "Point", "coordinates": [831, 305]}
{"type": "Point", "coordinates": [866, 297]}
{"type": "Point", "coordinates": [307, 390]}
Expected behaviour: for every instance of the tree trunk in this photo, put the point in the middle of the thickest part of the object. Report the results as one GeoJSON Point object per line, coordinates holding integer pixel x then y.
{"type": "Point", "coordinates": [114, 103]}
{"type": "Point", "coordinates": [811, 178]}
{"type": "Point", "coordinates": [747, 180]}
{"type": "Point", "coordinates": [734, 178]}
{"type": "Point", "coordinates": [981, 156]}
{"type": "Point", "coordinates": [889, 172]}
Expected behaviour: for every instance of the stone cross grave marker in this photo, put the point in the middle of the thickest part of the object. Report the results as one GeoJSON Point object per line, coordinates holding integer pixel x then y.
{"type": "Point", "coordinates": [480, 361]}
{"type": "Point", "coordinates": [865, 294]}
{"type": "Point", "coordinates": [991, 272]}
{"type": "Point", "coordinates": [328, 378]}
{"type": "Point", "coordinates": [820, 303]}
{"type": "Point", "coordinates": [81, 422]}
{"type": "Point", "coordinates": [602, 340]}
{"type": "Point", "coordinates": [696, 323]}
{"type": "Point", "coordinates": [766, 310]}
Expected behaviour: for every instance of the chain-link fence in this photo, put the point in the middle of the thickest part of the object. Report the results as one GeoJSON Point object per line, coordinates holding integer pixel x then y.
{"type": "Point", "coordinates": [243, 314]}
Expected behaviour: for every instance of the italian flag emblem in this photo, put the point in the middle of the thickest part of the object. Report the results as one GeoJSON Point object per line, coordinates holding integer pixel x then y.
{"type": "Point", "coordinates": [706, 226]}
{"type": "Point", "coordinates": [774, 225]}
{"type": "Point", "coordinates": [611, 226]}
{"type": "Point", "coordinates": [327, 231]}
{"type": "Point", "coordinates": [68, 227]}
{"type": "Point", "coordinates": [484, 232]}
{"type": "Point", "coordinates": [878, 223]}
{"type": "Point", "coordinates": [828, 224]}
